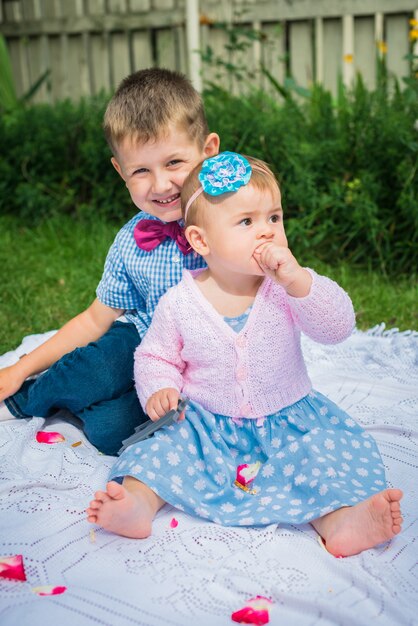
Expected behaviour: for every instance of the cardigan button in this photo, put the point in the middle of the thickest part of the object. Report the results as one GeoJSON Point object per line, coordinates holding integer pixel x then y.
{"type": "Point", "coordinates": [242, 373]}
{"type": "Point", "coordinates": [241, 341]}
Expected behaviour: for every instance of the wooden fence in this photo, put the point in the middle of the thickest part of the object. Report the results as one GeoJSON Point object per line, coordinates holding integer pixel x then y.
{"type": "Point", "coordinates": [90, 45]}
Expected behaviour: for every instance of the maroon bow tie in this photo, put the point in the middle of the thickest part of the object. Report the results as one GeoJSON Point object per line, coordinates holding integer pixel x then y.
{"type": "Point", "coordinates": [149, 234]}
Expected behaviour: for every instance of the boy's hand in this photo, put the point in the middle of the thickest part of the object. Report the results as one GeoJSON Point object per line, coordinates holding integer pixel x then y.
{"type": "Point", "coordinates": [161, 402]}
{"type": "Point", "coordinates": [279, 263]}
{"type": "Point", "coordinates": [10, 381]}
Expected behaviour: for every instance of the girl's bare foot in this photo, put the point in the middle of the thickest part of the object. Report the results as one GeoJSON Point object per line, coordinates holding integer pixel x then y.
{"type": "Point", "coordinates": [126, 510]}
{"type": "Point", "coordinates": [351, 530]}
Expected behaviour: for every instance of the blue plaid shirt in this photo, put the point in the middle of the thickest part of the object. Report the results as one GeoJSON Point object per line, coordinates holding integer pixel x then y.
{"type": "Point", "coordinates": [134, 279]}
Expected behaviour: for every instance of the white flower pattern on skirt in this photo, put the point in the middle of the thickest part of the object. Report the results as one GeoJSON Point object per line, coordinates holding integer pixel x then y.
{"type": "Point", "coordinates": [314, 459]}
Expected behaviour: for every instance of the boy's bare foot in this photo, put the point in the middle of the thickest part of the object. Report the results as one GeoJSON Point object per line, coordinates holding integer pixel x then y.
{"type": "Point", "coordinates": [351, 530]}
{"type": "Point", "coordinates": [127, 512]}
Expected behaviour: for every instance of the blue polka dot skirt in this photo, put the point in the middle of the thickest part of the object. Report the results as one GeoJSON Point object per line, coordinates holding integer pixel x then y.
{"type": "Point", "coordinates": [292, 467]}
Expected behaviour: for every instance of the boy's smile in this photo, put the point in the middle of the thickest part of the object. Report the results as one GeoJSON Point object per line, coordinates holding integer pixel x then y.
{"type": "Point", "coordinates": [154, 172]}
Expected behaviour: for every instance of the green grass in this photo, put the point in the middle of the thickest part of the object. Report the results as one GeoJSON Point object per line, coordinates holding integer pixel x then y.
{"type": "Point", "coordinates": [49, 273]}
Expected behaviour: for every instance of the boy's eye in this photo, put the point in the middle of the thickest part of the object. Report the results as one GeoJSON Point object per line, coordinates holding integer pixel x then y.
{"type": "Point", "coordinates": [247, 221]}
{"type": "Point", "coordinates": [141, 170]}
{"type": "Point", "coordinates": [174, 162]}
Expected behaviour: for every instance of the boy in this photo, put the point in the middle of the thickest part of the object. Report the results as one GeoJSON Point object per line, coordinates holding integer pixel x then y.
{"type": "Point", "coordinates": [157, 131]}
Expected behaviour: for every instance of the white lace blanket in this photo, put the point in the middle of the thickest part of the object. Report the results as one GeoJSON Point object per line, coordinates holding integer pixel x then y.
{"type": "Point", "coordinates": [198, 573]}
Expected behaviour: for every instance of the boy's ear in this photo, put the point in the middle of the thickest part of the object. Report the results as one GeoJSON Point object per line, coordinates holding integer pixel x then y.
{"type": "Point", "coordinates": [117, 167]}
{"type": "Point", "coordinates": [195, 235]}
{"type": "Point", "coordinates": [212, 143]}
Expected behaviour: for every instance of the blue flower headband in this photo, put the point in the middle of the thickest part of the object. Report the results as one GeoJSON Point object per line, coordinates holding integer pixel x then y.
{"type": "Point", "coordinates": [225, 172]}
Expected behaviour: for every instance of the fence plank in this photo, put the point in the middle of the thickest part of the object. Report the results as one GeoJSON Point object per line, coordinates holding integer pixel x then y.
{"type": "Point", "coordinates": [15, 52]}
{"type": "Point", "coordinates": [141, 49]}
{"type": "Point", "coordinates": [79, 24]}
{"type": "Point", "coordinates": [96, 7]}
{"type": "Point", "coordinates": [273, 54]}
{"type": "Point", "coordinates": [319, 50]}
{"type": "Point", "coordinates": [365, 50]}
{"type": "Point", "coordinates": [161, 5]}
{"type": "Point", "coordinates": [117, 6]}
{"type": "Point", "coordinates": [166, 49]}
{"type": "Point", "coordinates": [332, 53]}
{"type": "Point", "coordinates": [397, 37]}
{"type": "Point", "coordinates": [348, 49]}
{"type": "Point", "coordinates": [57, 66]}
{"type": "Point", "coordinates": [120, 58]}
{"type": "Point", "coordinates": [301, 54]}
{"type": "Point", "coordinates": [99, 51]}
{"type": "Point", "coordinates": [139, 5]}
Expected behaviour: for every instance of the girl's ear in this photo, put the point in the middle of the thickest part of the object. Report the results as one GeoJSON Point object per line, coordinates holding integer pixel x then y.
{"type": "Point", "coordinates": [195, 235]}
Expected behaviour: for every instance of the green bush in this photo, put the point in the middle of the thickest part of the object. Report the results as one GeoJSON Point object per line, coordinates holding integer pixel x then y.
{"type": "Point", "coordinates": [347, 166]}
{"type": "Point", "coordinates": [55, 160]}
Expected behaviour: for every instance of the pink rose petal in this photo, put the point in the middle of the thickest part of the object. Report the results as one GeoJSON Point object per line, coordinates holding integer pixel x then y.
{"type": "Point", "coordinates": [48, 590]}
{"type": "Point", "coordinates": [247, 472]}
{"type": "Point", "coordinates": [12, 567]}
{"type": "Point", "coordinates": [44, 436]}
{"type": "Point", "coordinates": [256, 611]}
{"type": "Point", "coordinates": [174, 523]}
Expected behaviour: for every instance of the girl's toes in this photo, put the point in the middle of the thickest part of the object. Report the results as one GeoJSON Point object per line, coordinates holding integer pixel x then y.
{"type": "Point", "coordinates": [91, 511]}
{"type": "Point", "coordinates": [101, 496]}
{"type": "Point", "coordinates": [395, 507]}
{"type": "Point", "coordinates": [95, 504]}
{"type": "Point", "coordinates": [115, 491]}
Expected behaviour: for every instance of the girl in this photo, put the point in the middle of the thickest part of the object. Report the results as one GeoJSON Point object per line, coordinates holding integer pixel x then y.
{"type": "Point", "coordinates": [258, 445]}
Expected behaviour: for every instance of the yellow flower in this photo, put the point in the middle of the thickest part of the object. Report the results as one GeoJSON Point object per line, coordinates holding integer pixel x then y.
{"type": "Point", "coordinates": [413, 34]}
{"type": "Point", "coordinates": [382, 46]}
{"type": "Point", "coordinates": [413, 22]}
{"type": "Point", "coordinates": [348, 58]}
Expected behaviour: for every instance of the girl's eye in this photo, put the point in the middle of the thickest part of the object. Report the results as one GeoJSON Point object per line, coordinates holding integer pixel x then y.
{"type": "Point", "coordinates": [141, 170]}
{"type": "Point", "coordinates": [275, 218]}
{"type": "Point", "coordinates": [246, 221]}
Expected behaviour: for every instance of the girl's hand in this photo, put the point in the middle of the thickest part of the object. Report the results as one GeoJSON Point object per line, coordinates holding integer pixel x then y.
{"type": "Point", "coordinates": [161, 402]}
{"type": "Point", "coordinates": [279, 263]}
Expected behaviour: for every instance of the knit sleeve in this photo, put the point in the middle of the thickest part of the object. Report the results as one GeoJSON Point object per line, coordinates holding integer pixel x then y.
{"type": "Point", "coordinates": [326, 314]}
{"type": "Point", "coordinates": [158, 363]}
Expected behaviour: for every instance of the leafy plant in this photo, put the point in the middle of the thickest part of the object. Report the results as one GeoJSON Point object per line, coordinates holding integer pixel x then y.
{"type": "Point", "coordinates": [8, 96]}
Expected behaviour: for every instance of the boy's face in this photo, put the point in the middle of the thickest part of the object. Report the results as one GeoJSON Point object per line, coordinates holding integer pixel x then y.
{"type": "Point", "coordinates": [154, 172]}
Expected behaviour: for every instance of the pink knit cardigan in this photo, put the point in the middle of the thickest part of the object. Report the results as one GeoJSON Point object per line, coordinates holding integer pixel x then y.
{"type": "Point", "coordinates": [253, 373]}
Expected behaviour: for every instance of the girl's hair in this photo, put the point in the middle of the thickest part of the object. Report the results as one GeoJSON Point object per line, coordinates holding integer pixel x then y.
{"type": "Point", "coordinates": [147, 102]}
{"type": "Point", "coordinates": [262, 178]}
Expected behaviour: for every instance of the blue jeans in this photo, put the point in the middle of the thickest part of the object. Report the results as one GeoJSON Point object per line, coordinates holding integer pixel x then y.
{"type": "Point", "coordinates": [95, 383]}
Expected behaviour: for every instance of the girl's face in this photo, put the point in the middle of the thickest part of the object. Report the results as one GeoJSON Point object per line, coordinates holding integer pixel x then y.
{"type": "Point", "coordinates": [241, 223]}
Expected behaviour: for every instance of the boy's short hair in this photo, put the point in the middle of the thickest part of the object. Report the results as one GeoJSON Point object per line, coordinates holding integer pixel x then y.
{"type": "Point", "coordinates": [147, 102]}
{"type": "Point", "coordinates": [262, 178]}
